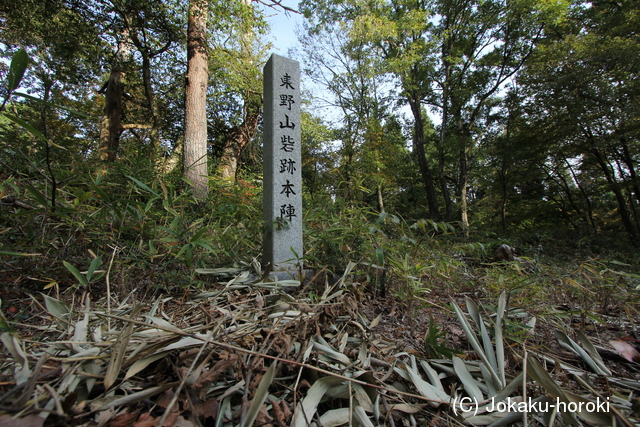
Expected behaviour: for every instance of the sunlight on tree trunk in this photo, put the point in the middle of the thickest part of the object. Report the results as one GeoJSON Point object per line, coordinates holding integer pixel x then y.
{"type": "Point", "coordinates": [195, 117]}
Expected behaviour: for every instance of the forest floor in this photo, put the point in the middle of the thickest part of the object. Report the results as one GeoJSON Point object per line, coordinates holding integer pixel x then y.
{"type": "Point", "coordinates": [241, 353]}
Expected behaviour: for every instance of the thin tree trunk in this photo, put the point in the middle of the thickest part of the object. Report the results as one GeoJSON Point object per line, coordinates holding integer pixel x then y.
{"type": "Point", "coordinates": [195, 118]}
{"type": "Point", "coordinates": [380, 199]}
{"type": "Point", "coordinates": [448, 204]}
{"type": "Point", "coordinates": [590, 219]}
{"type": "Point", "coordinates": [463, 182]}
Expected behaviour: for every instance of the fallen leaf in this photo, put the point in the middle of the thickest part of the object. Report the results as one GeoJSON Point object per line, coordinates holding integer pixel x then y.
{"type": "Point", "coordinates": [124, 420]}
{"type": "Point", "coordinates": [626, 350]}
{"type": "Point", "coordinates": [146, 420]}
{"type": "Point", "coordinates": [28, 421]}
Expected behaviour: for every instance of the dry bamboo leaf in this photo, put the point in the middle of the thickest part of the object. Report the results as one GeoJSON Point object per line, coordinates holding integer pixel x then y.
{"type": "Point", "coordinates": [80, 333]}
{"type": "Point", "coordinates": [335, 417]}
{"type": "Point", "coordinates": [361, 418]}
{"type": "Point", "coordinates": [14, 344]}
{"type": "Point", "coordinates": [593, 353]}
{"type": "Point", "coordinates": [322, 346]}
{"type": "Point", "coordinates": [124, 419]}
{"type": "Point", "coordinates": [141, 364]}
{"type": "Point", "coordinates": [597, 365]}
{"type": "Point", "coordinates": [261, 395]}
{"type": "Point", "coordinates": [163, 324]}
{"type": "Point", "coordinates": [431, 374]}
{"type": "Point", "coordinates": [289, 313]}
{"type": "Point", "coordinates": [146, 420]}
{"type": "Point", "coordinates": [468, 382]}
{"type": "Point", "coordinates": [434, 394]}
{"type": "Point", "coordinates": [375, 321]}
{"type": "Point", "coordinates": [502, 307]}
{"type": "Point", "coordinates": [362, 397]}
{"type": "Point", "coordinates": [406, 408]}
{"type": "Point", "coordinates": [56, 307]}
{"type": "Point", "coordinates": [113, 401]}
{"type": "Point", "coordinates": [540, 375]}
{"type": "Point", "coordinates": [118, 350]}
{"type": "Point", "coordinates": [307, 408]}
{"type": "Point", "coordinates": [473, 340]}
{"type": "Point", "coordinates": [487, 420]}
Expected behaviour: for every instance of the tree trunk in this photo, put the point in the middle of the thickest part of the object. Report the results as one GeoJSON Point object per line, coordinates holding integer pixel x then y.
{"type": "Point", "coordinates": [235, 141]}
{"type": "Point", "coordinates": [195, 117]}
{"type": "Point", "coordinates": [110, 124]}
{"type": "Point", "coordinates": [463, 182]}
{"type": "Point", "coordinates": [628, 160]}
{"type": "Point", "coordinates": [448, 204]}
{"type": "Point", "coordinates": [418, 145]}
{"type": "Point", "coordinates": [614, 187]}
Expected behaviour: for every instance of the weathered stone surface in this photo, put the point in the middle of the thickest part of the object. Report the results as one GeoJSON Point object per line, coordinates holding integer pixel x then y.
{"type": "Point", "coordinates": [282, 210]}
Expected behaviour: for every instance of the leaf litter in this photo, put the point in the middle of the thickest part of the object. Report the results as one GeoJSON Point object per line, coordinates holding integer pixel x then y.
{"type": "Point", "coordinates": [251, 354]}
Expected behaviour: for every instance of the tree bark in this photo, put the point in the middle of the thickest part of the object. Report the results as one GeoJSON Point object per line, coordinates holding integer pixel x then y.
{"type": "Point", "coordinates": [235, 140]}
{"type": "Point", "coordinates": [622, 205]}
{"type": "Point", "coordinates": [418, 145]}
{"type": "Point", "coordinates": [195, 117]}
{"type": "Point", "coordinates": [110, 124]}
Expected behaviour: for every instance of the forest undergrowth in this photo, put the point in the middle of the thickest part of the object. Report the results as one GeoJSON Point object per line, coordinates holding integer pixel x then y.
{"type": "Point", "coordinates": [124, 277]}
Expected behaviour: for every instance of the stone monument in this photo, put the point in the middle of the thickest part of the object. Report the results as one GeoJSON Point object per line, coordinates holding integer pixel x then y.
{"type": "Point", "coordinates": [282, 208]}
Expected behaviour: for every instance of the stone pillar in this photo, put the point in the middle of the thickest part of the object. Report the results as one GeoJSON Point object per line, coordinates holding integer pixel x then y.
{"type": "Point", "coordinates": [282, 210]}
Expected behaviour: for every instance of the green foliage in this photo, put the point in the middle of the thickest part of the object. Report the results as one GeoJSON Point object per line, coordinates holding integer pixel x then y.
{"type": "Point", "coordinates": [433, 342]}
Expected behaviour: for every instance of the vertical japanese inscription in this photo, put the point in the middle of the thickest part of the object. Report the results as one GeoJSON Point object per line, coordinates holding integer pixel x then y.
{"type": "Point", "coordinates": [282, 211]}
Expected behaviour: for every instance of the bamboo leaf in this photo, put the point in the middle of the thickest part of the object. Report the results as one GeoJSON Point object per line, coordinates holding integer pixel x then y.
{"type": "Point", "coordinates": [469, 384]}
{"type": "Point", "coordinates": [260, 396]}
{"type": "Point", "coordinates": [19, 64]}
{"type": "Point", "coordinates": [141, 364]}
{"type": "Point", "coordinates": [118, 350]}
{"type": "Point", "coordinates": [56, 307]}
{"type": "Point", "coordinates": [502, 307]}
{"type": "Point", "coordinates": [361, 418]}
{"type": "Point", "coordinates": [79, 276]}
{"type": "Point", "coordinates": [591, 350]}
{"type": "Point", "coordinates": [26, 126]}
{"type": "Point", "coordinates": [473, 340]}
{"type": "Point", "coordinates": [429, 391]}
{"type": "Point", "coordinates": [308, 407]}
{"type": "Point", "coordinates": [113, 401]}
{"type": "Point", "coordinates": [144, 186]}
{"type": "Point", "coordinates": [51, 104]}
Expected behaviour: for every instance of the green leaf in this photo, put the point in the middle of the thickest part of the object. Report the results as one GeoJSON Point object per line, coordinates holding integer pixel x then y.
{"type": "Point", "coordinates": [33, 131]}
{"type": "Point", "coordinates": [50, 104]}
{"type": "Point", "coordinates": [94, 264]}
{"type": "Point", "coordinates": [143, 186]}
{"type": "Point", "coordinates": [76, 273]}
{"type": "Point", "coordinates": [380, 256]}
{"type": "Point", "coordinates": [19, 64]}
